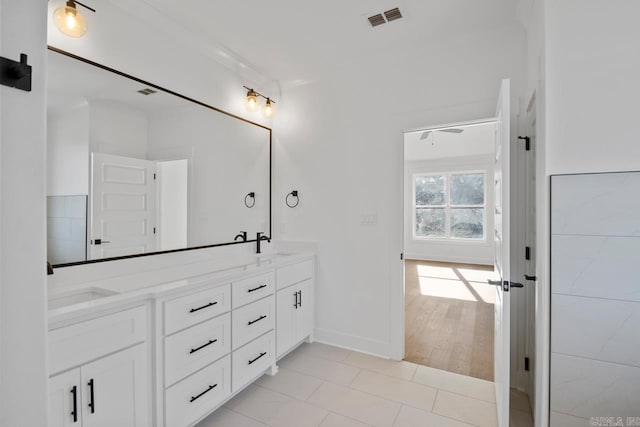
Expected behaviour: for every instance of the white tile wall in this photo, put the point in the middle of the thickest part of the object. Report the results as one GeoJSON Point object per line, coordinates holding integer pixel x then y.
{"type": "Point", "coordinates": [588, 388]}
{"type": "Point", "coordinates": [66, 228]}
{"type": "Point", "coordinates": [596, 204]}
{"type": "Point", "coordinates": [608, 330]}
{"type": "Point", "coordinates": [595, 287]}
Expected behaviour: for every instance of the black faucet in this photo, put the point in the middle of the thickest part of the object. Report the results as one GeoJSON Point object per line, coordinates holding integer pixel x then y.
{"type": "Point", "coordinates": [242, 235]}
{"type": "Point", "coordinates": [259, 238]}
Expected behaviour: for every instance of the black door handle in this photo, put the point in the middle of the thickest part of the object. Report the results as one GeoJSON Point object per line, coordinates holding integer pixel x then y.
{"type": "Point", "coordinates": [92, 403]}
{"type": "Point", "coordinates": [494, 282]}
{"type": "Point", "coordinates": [532, 278]}
{"type": "Point", "coordinates": [516, 285]}
{"type": "Point", "coordinates": [74, 413]}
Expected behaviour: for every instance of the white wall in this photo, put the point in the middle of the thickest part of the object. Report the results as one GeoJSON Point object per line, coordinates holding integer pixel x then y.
{"type": "Point", "coordinates": [23, 350]}
{"type": "Point", "coordinates": [117, 129]}
{"type": "Point", "coordinates": [339, 142]}
{"type": "Point", "coordinates": [68, 151]}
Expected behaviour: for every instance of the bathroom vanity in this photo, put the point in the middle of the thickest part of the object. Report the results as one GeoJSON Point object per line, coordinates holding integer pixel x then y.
{"type": "Point", "coordinates": [168, 353]}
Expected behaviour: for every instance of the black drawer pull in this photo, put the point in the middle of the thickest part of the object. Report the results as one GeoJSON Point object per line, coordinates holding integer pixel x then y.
{"type": "Point", "coordinates": [194, 398]}
{"type": "Point", "coordinates": [193, 310]}
{"type": "Point", "coordinates": [261, 354]}
{"type": "Point", "coordinates": [255, 289]}
{"type": "Point", "coordinates": [300, 303]}
{"type": "Point", "coordinates": [193, 350]}
{"type": "Point", "coordinates": [257, 320]}
{"type": "Point", "coordinates": [74, 413]}
{"type": "Point", "coordinates": [92, 403]}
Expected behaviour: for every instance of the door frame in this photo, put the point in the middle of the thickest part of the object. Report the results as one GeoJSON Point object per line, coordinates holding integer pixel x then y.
{"type": "Point", "coordinates": [397, 301]}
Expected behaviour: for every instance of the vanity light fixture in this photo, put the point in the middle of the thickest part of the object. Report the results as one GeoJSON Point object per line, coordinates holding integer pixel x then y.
{"type": "Point", "coordinates": [69, 20]}
{"type": "Point", "coordinates": [252, 103]}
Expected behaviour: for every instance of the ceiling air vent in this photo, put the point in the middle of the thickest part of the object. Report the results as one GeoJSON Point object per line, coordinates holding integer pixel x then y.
{"type": "Point", "coordinates": [393, 14]}
{"type": "Point", "coordinates": [146, 91]}
{"type": "Point", "coordinates": [376, 20]}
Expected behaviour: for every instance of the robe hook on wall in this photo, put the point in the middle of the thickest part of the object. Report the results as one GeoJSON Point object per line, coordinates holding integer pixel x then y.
{"type": "Point", "coordinates": [293, 194]}
{"type": "Point", "coordinates": [248, 198]}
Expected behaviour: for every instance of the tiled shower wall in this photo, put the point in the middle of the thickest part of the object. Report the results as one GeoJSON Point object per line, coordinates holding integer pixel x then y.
{"type": "Point", "coordinates": [66, 229]}
{"type": "Point", "coordinates": [595, 288]}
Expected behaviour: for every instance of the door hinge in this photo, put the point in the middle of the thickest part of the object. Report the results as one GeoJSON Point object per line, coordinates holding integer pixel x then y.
{"type": "Point", "coordinates": [401, 256]}
{"type": "Point", "coordinates": [527, 253]}
{"type": "Point", "coordinates": [526, 364]}
{"type": "Point", "coordinates": [527, 142]}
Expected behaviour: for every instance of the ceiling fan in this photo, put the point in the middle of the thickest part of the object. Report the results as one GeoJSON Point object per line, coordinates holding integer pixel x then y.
{"type": "Point", "coordinates": [452, 130]}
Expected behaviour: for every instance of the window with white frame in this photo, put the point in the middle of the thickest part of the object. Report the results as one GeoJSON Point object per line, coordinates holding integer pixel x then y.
{"type": "Point", "coordinates": [450, 205]}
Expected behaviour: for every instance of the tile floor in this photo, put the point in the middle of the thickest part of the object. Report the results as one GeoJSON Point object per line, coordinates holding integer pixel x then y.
{"type": "Point", "coordinates": [321, 385]}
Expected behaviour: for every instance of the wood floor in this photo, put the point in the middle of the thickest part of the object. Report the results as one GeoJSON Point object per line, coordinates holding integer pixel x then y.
{"type": "Point", "coordinates": [449, 317]}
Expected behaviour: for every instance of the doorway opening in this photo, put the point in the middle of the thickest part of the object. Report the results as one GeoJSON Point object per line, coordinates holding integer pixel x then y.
{"type": "Point", "coordinates": [449, 248]}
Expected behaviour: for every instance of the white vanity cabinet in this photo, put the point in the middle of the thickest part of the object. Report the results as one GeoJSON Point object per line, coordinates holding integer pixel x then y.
{"type": "Point", "coordinates": [295, 302]}
{"type": "Point", "coordinates": [100, 379]}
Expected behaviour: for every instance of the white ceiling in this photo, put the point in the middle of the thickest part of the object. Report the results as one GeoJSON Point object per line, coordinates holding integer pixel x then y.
{"type": "Point", "coordinates": [296, 41]}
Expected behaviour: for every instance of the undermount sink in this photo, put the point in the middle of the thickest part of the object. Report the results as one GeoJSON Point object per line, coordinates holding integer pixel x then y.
{"type": "Point", "coordinates": [64, 299]}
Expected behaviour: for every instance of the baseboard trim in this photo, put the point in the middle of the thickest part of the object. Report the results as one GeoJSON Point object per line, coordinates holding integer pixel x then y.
{"type": "Point", "coordinates": [353, 343]}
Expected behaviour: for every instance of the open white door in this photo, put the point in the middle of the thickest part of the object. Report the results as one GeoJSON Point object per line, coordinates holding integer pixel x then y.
{"type": "Point", "coordinates": [501, 259]}
{"type": "Point", "coordinates": [122, 206]}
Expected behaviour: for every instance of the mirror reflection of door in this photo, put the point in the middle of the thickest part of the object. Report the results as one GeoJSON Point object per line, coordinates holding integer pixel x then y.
{"type": "Point", "coordinates": [137, 206]}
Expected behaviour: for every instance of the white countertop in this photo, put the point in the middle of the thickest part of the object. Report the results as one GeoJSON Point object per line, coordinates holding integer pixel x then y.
{"type": "Point", "coordinates": [125, 291]}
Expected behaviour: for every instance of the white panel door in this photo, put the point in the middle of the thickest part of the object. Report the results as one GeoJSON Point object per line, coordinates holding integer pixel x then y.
{"type": "Point", "coordinates": [123, 206]}
{"type": "Point", "coordinates": [501, 259]}
{"type": "Point", "coordinates": [64, 400]}
{"type": "Point", "coordinates": [115, 390]}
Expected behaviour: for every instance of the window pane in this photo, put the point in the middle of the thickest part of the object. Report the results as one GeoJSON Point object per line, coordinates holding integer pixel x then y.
{"type": "Point", "coordinates": [430, 191]}
{"type": "Point", "coordinates": [467, 223]}
{"type": "Point", "coordinates": [467, 189]}
{"type": "Point", "coordinates": [429, 222]}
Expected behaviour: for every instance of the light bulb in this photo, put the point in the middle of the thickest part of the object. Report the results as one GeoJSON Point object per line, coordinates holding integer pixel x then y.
{"type": "Point", "coordinates": [268, 109]}
{"type": "Point", "coordinates": [252, 100]}
{"type": "Point", "coordinates": [69, 20]}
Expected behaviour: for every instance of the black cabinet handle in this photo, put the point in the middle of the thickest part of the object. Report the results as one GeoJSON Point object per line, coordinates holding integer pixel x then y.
{"type": "Point", "coordinates": [74, 413]}
{"type": "Point", "coordinates": [194, 398]}
{"type": "Point", "coordinates": [257, 320]}
{"type": "Point", "coordinates": [300, 303]}
{"type": "Point", "coordinates": [92, 403]}
{"type": "Point", "coordinates": [193, 350]}
{"type": "Point", "coordinates": [193, 310]}
{"type": "Point", "coordinates": [255, 289]}
{"type": "Point", "coordinates": [295, 304]}
{"type": "Point", "coordinates": [261, 354]}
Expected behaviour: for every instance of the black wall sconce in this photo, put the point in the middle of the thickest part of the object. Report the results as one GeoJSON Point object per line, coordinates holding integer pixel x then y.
{"type": "Point", "coordinates": [250, 200]}
{"type": "Point", "coordinates": [292, 195]}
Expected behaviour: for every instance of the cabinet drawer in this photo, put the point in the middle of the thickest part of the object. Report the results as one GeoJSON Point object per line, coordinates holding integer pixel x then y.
{"type": "Point", "coordinates": [88, 340]}
{"type": "Point", "coordinates": [252, 359]}
{"type": "Point", "coordinates": [182, 312]}
{"type": "Point", "coordinates": [252, 289]}
{"type": "Point", "coordinates": [196, 347]}
{"type": "Point", "coordinates": [192, 398]}
{"type": "Point", "coordinates": [253, 320]}
{"type": "Point", "coordinates": [294, 273]}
